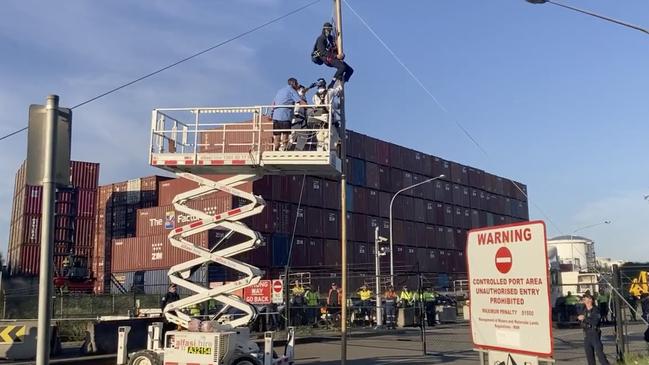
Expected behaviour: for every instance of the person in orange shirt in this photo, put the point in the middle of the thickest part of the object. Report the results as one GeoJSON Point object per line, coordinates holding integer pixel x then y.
{"type": "Point", "coordinates": [390, 297]}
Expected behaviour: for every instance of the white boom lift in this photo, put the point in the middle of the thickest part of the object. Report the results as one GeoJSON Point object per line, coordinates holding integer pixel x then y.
{"type": "Point", "coordinates": [195, 143]}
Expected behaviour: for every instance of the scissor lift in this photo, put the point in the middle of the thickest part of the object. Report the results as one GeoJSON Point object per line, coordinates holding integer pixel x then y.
{"type": "Point", "coordinates": [237, 141]}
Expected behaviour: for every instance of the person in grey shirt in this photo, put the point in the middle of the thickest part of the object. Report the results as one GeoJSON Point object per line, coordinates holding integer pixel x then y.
{"type": "Point", "coordinates": [282, 116]}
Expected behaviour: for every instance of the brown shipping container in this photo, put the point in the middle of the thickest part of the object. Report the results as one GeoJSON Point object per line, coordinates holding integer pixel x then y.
{"type": "Point", "coordinates": [331, 195]}
{"type": "Point", "coordinates": [372, 177]}
{"type": "Point", "coordinates": [331, 223]}
{"type": "Point", "coordinates": [332, 253]}
{"type": "Point", "coordinates": [160, 220]}
{"type": "Point", "coordinates": [170, 188]}
{"type": "Point", "coordinates": [395, 156]}
{"type": "Point", "coordinates": [150, 253]}
{"type": "Point", "coordinates": [315, 252]}
{"type": "Point", "coordinates": [371, 149]}
{"type": "Point", "coordinates": [33, 199]}
{"type": "Point", "coordinates": [299, 255]}
{"type": "Point", "coordinates": [314, 222]}
{"type": "Point", "coordinates": [313, 191]}
{"type": "Point", "coordinates": [84, 175]}
{"type": "Point", "coordinates": [384, 179]}
{"type": "Point", "coordinates": [383, 151]}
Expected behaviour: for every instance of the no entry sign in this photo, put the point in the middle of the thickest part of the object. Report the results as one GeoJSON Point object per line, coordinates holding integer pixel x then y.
{"type": "Point", "coordinates": [278, 291]}
{"type": "Point", "coordinates": [509, 289]}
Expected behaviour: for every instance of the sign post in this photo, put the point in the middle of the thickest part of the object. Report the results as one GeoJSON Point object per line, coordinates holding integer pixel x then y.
{"type": "Point", "coordinates": [510, 291]}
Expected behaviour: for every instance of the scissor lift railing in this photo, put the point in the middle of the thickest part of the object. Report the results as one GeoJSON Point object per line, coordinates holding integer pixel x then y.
{"type": "Point", "coordinates": [239, 140]}
{"type": "Point", "coordinates": [204, 141]}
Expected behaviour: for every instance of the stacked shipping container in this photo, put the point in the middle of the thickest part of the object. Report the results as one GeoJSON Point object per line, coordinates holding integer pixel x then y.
{"type": "Point", "coordinates": [116, 218]}
{"type": "Point", "coordinates": [430, 222]}
{"type": "Point", "coordinates": [74, 221]}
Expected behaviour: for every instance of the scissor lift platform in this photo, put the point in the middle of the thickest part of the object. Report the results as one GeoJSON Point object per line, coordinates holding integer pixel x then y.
{"type": "Point", "coordinates": [239, 140]}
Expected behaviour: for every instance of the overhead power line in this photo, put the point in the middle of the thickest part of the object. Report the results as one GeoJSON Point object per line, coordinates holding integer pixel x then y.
{"type": "Point", "coordinates": [240, 35]}
{"type": "Point", "coordinates": [442, 107]}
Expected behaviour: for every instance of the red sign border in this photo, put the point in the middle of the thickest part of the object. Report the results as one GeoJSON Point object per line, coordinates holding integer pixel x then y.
{"type": "Point", "coordinates": [547, 274]}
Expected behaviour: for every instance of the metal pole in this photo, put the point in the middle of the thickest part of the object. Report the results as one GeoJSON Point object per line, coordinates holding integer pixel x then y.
{"type": "Point", "coordinates": [422, 311]}
{"type": "Point", "coordinates": [377, 269]}
{"type": "Point", "coordinates": [343, 195]}
{"type": "Point", "coordinates": [392, 243]}
{"type": "Point", "coordinates": [391, 202]}
{"type": "Point", "coordinates": [47, 220]}
{"type": "Point", "coordinates": [619, 316]}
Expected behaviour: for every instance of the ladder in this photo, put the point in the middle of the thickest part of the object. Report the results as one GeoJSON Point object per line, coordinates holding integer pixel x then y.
{"type": "Point", "coordinates": [229, 222]}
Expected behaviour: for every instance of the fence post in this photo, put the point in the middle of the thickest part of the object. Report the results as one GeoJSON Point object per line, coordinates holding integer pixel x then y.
{"type": "Point", "coordinates": [4, 305]}
{"type": "Point", "coordinates": [619, 315]}
{"type": "Point", "coordinates": [113, 304]}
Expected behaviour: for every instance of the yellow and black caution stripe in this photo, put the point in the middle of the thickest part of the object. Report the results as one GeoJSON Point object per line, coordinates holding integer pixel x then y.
{"type": "Point", "coordinates": [12, 334]}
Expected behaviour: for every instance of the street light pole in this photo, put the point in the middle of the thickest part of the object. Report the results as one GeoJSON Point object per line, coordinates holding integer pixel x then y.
{"type": "Point", "coordinates": [572, 244]}
{"type": "Point", "coordinates": [606, 18]}
{"type": "Point", "coordinates": [391, 236]}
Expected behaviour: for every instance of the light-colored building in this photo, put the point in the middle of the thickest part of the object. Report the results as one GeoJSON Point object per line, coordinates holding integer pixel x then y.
{"type": "Point", "coordinates": [606, 263]}
{"type": "Point", "coordinates": [576, 251]}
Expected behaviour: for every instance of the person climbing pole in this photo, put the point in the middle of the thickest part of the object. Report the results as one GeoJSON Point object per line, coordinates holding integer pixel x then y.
{"type": "Point", "coordinates": [325, 52]}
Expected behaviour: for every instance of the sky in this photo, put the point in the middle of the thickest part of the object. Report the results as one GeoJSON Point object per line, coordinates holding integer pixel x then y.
{"type": "Point", "coordinates": [556, 99]}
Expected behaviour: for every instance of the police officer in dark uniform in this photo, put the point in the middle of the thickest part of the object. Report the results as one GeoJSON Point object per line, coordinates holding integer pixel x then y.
{"type": "Point", "coordinates": [590, 320]}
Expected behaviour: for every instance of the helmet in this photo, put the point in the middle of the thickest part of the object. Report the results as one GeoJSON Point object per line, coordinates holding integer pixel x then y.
{"type": "Point", "coordinates": [321, 83]}
{"type": "Point", "coordinates": [327, 25]}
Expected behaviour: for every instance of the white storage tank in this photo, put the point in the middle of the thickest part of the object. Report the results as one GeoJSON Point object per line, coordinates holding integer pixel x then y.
{"type": "Point", "coordinates": [577, 252]}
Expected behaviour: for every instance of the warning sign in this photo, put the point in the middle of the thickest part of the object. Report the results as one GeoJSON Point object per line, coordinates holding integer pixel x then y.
{"type": "Point", "coordinates": [258, 293]}
{"type": "Point", "coordinates": [509, 289]}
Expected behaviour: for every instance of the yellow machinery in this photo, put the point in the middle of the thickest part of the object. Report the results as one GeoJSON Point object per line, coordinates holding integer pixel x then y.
{"type": "Point", "coordinates": [639, 285]}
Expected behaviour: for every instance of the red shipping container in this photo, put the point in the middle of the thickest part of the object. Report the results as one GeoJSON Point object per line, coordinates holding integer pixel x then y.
{"type": "Point", "coordinates": [160, 220]}
{"type": "Point", "coordinates": [397, 231]}
{"type": "Point", "coordinates": [420, 235]}
{"type": "Point", "coordinates": [360, 255]}
{"type": "Point", "coordinates": [33, 199]}
{"type": "Point", "coordinates": [295, 188]}
{"type": "Point", "coordinates": [458, 217]}
{"type": "Point", "coordinates": [86, 200]}
{"type": "Point", "coordinates": [313, 191]}
{"type": "Point", "coordinates": [429, 236]}
{"type": "Point", "coordinates": [383, 151]}
{"type": "Point", "coordinates": [430, 212]}
{"type": "Point", "coordinates": [419, 211]}
{"type": "Point", "coordinates": [450, 238]}
{"type": "Point", "coordinates": [372, 177]}
{"type": "Point", "coordinates": [418, 191]}
{"type": "Point", "coordinates": [299, 254]}
{"type": "Point", "coordinates": [315, 252]}
{"type": "Point", "coordinates": [371, 149]}
{"type": "Point", "coordinates": [372, 224]}
{"type": "Point", "coordinates": [396, 179]}
{"type": "Point", "coordinates": [409, 233]}
{"type": "Point", "coordinates": [399, 257]}
{"type": "Point", "coordinates": [152, 183]}
{"type": "Point", "coordinates": [409, 159]}
{"type": "Point", "coordinates": [29, 262]}
{"type": "Point", "coordinates": [357, 231]}
{"type": "Point", "coordinates": [331, 223]}
{"type": "Point", "coordinates": [170, 188]}
{"type": "Point", "coordinates": [384, 204]}
{"type": "Point", "coordinates": [84, 232]}
{"type": "Point", "coordinates": [412, 263]}
{"type": "Point", "coordinates": [395, 156]}
{"type": "Point", "coordinates": [407, 181]}
{"type": "Point", "coordinates": [299, 217]}
{"type": "Point", "coordinates": [372, 202]}
{"type": "Point", "coordinates": [84, 175]}
{"type": "Point", "coordinates": [360, 200]}
{"type": "Point", "coordinates": [331, 194]}
{"type": "Point", "coordinates": [150, 253]}
{"type": "Point", "coordinates": [385, 183]}
{"type": "Point", "coordinates": [314, 222]}
{"type": "Point", "coordinates": [490, 182]}
{"type": "Point", "coordinates": [332, 253]}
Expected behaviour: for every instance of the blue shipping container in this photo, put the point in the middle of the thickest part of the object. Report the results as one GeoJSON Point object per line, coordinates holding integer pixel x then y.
{"type": "Point", "coordinates": [279, 243]}
{"type": "Point", "coordinates": [154, 281]}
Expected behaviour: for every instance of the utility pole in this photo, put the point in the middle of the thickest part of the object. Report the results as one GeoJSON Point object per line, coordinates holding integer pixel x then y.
{"type": "Point", "coordinates": [343, 192]}
{"type": "Point", "coordinates": [47, 225]}
{"type": "Point", "coordinates": [378, 252]}
{"type": "Point", "coordinates": [619, 316]}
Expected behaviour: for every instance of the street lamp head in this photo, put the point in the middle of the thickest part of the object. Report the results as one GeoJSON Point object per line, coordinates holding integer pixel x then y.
{"type": "Point", "coordinates": [441, 176]}
{"type": "Point", "coordinates": [537, 1]}
{"type": "Point", "coordinates": [607, 222]}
